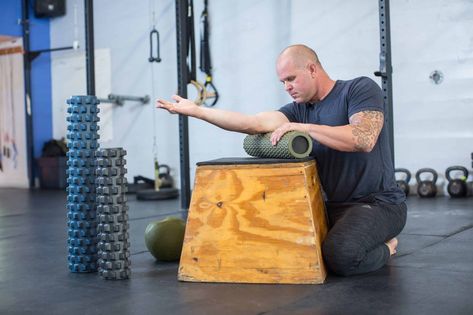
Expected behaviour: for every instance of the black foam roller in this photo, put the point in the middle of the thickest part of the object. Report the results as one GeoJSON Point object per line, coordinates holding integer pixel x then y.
{"type": "Point", "coordinates": [292, 145]}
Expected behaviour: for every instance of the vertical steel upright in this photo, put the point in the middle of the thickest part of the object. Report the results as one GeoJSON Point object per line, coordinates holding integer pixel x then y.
{"type": "Point", "coordinates": [25, 21]}
{"type": "Point", "coordinates": [385, 67]}
{"type": "Point", "coordinates": [89, 46]}
{"type": "Point", "coordinates": [182, 79]}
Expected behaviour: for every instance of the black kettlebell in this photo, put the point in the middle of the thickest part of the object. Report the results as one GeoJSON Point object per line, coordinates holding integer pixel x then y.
{"type": "Point", "coordinates": [166, 179]}
{"type": "Point", "coordinates": [426, 188]}
{"type": "Point", "coordinates": [403, 183]}
{"type": "Point", "coordinates": [457, 187]}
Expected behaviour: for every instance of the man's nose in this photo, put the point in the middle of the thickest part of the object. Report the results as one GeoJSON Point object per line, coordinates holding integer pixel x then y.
{"type": "Point", "coordinates": [287, 86]}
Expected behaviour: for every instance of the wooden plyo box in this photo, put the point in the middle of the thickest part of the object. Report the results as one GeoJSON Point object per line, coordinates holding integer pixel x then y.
{"type": "Point", "coordinates": [255, 221]}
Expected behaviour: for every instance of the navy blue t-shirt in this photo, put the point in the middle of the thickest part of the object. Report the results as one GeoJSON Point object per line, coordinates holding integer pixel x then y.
{"type": "Point", "coordinates": [350, 176]}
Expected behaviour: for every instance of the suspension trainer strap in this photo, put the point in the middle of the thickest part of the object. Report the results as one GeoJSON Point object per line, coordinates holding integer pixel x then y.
{"type": "Point", "coordinates": [191, 67]}
{"type": "Point", "coordinates": [191, 56]}
{"type": "Point", "coordinates": [205, 63]}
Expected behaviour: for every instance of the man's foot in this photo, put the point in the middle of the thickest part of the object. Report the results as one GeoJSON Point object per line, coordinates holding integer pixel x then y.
{"type": "Point", "coordinates": [392, 245]}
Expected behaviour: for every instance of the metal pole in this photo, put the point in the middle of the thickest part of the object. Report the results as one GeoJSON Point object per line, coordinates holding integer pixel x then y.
{"type": "Point", "coordinates": [182, 80]}
{"type": "Point", "coordinates": [89, 46]}
{"type": "Point", "coordinates": [28, 108]}
{"type": "Point", "coordinates": [385, 68]}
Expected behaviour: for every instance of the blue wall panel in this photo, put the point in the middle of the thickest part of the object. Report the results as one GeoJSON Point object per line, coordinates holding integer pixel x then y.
{"type": "Point", "coordinates": [10, 14]}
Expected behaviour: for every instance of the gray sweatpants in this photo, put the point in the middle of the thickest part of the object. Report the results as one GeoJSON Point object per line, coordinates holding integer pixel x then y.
{"type": "Point", "coordinates": [356, 239]}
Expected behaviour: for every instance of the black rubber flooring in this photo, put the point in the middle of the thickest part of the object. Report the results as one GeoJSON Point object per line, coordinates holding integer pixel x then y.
{"type": "Point", "coordinates": [431, 274]}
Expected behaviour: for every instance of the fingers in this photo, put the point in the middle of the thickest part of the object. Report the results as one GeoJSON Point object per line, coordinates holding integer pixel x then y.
{"type": "Point", "coordinates": [281, 131]}
{"type": "Point", "coordinates": [273, 138]}
{"type": "Point", "coordinates": [276, 136]}
{"type": "Point", "coordinates": [173, 108]}
{"type": "Point", "coordinates": [165, 105]}
{"type": "Point", "coordinates": [177, 98]}
{"type": "Point", "coordinates": [162, 103]}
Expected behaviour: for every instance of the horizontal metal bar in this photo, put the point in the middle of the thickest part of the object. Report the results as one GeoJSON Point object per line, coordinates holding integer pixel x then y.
{"type": "Point", "coordinates": [51, 49]}
{"type": "Point", "coordinates": [106, 100]}
{"type": "Point", "coordinates": [32, 54]}
{"type": "Point", "coordinates": [120, 99]}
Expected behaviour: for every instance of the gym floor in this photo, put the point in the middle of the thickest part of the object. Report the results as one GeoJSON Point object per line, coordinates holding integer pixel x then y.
{"type": "Point", "coordinates": [432, 272]}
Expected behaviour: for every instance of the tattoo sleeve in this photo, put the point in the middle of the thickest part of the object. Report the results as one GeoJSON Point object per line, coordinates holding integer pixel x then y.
{"type": "Point", "coordinates": [366, 128]}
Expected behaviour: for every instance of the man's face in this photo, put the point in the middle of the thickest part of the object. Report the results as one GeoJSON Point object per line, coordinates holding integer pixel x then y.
{"type": "Point", "coordinates": [298, 81]}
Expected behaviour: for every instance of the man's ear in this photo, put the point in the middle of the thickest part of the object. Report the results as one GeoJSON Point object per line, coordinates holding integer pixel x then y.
{"type": "Point", "coordinates": [312, 69]}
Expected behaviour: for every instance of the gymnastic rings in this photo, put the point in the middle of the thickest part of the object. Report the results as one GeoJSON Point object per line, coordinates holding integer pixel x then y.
{"type": "Point", "coordinates": [204, 92]}
{"type": "Point", "coordinates": [211, 92]}
{"type": "Point", "coordinates": [201, 92]}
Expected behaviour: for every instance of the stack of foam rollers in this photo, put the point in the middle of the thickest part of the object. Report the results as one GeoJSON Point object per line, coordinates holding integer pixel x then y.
{"type": "Point", "coordinates": [96, 202]}
{"type": "Point", "coordinates": [82, 142]}
{"type": "Point", "coordinates": [112, 214]}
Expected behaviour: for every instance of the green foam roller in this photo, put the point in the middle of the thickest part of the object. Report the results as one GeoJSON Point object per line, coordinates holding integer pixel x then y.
{"type": "Point", "coordinates": [293, 145]}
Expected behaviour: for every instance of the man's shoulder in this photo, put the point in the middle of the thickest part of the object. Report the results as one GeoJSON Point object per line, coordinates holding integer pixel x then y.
{"type": "Point", "coordinates": [360, 86]}
{"type": "Point", "coordinates": [290, 111]}
{"type": "Point", "coordinates": [360, 81]}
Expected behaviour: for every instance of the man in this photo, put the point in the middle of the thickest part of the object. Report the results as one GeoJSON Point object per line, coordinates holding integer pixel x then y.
{"type": "Point", "coordinates": [365, 207]}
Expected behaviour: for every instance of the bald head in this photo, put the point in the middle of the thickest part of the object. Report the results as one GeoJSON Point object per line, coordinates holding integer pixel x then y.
{"type": "Point", "coordinates": [300, 55]}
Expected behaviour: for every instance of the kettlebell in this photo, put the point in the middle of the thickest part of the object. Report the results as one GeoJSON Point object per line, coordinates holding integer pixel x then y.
{"type": "Point", "coordinates": [403, 183]}
{"type": "Point", "coordinates": [426, 188]}
{"type": "Point", "coordinates": [457, 187]}
{"type": "Point", "coordinates": [166, 179]}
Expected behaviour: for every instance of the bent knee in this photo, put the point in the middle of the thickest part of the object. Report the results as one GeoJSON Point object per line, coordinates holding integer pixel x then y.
{"type": "Point", "coordinates": [342, 259]}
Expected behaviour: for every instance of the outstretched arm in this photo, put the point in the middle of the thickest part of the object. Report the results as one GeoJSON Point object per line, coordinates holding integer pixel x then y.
{"type": "Point", "coordinates": [360, 135]}
{"type": "Point", "coordinates": [233, 121]}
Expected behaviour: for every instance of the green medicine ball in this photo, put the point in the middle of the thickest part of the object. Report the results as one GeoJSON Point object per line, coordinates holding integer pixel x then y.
{"type": "Point", "coordinates": [164, 238]}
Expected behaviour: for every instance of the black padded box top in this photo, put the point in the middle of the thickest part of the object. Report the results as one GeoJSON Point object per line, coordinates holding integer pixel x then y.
{"type": "Point", "coordinates": [251, 160]}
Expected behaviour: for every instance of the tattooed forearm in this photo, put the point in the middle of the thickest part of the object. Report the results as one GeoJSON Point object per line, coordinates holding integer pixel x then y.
{"type": "Point", "coordinates": [366, 127]}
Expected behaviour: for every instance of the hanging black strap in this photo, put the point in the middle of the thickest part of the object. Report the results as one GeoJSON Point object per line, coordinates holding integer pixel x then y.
{"type": "Point", "coordinates": [191, 59]}
{"type": "Point", "coordinates": [205, 63]}
{"type": "Point", "coordinates": [191, 55]}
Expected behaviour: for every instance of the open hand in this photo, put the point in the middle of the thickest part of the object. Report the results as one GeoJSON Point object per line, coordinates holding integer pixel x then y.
{"type": "Point", "coordinates": [181, 106]}
{"type": "Point", "coordinates": [284, 128]}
